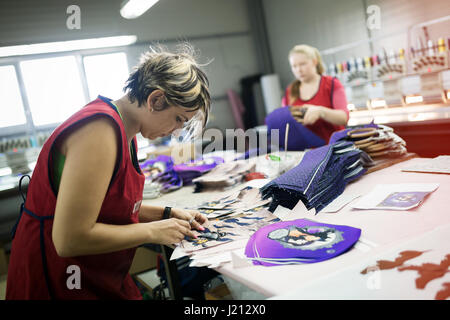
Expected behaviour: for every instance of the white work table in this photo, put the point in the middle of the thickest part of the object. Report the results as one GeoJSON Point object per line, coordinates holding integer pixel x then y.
{"type": "Point", "coordinates": [382, 231]}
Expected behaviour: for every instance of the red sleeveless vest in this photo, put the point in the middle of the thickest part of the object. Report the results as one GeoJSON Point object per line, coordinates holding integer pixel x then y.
{"type": "Point", "coordinates": [35, 269]}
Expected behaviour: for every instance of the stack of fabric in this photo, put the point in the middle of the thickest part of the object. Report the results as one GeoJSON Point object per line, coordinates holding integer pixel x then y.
{"type": "Point", "coordinates": [378, 141]}
{"type": "Point", "coordinates": [224, 175]}
{"type": "Point", "coordinates": [299, 241]}
{"type": "Point", "coordinates": [318, 179]}
{"type": "Point", "coordinates": [195, 168]}
{"type": "Point", "coordinates": [159, 172]}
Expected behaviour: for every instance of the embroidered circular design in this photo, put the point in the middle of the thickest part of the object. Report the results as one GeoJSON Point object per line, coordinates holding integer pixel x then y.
{"type": "Point", "coordinates": [307, 238]}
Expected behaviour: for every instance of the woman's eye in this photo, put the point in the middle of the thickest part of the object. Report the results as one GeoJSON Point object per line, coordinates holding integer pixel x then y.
{"type": "Point", "coordinates": [179, 119]}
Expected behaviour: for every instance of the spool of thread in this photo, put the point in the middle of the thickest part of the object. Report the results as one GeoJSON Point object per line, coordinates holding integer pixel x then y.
{"type": "Point", "coordinates": [430, 48]}
{"type": "Point", "coordinates": [344, 66]}
{"type": "Point", "coordinates": [401, 54]}
{"type": "Point", "coordinates": [419, 48]}
{"type": "Point", "coordinates": [375, 60]}
{"type": "Point", "coordinates": [331, 69]}
{"type": "Point", "coordinates": [367, 63]}
{"type": "Point", "coordinates": [441, 45]}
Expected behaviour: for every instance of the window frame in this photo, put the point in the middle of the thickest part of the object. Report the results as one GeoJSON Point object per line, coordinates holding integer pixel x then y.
{"type": "Point", "coordinates": [29, 128]}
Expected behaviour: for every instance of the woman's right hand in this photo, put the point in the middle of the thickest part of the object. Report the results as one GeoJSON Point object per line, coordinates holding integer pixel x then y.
{"type": "Point", "coordinates": [298, 113]}
{"type": "Point", "coordinates": [169, 231]}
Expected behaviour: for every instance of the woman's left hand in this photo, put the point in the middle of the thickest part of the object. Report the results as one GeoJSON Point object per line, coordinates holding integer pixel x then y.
{"type": "Point", "coordinates": [313, 113]}
{"type": "Point", "coordinates": [195, 218]}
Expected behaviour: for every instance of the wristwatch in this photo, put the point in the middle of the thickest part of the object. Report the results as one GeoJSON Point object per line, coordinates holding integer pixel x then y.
{"type": "Point", "coordinates": [166, 214]}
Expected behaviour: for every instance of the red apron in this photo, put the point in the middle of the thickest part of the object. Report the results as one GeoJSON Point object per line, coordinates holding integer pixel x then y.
{"type": "Point", "coordinates": [35, 269]}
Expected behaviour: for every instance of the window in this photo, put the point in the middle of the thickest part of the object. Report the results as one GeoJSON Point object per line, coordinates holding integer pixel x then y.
{"type": "Point", "coordinates": [106, 74]}
{"type": "Point", "coordinates": [12, 107]}
{"type": "Point", "coordinates": [53, 87]}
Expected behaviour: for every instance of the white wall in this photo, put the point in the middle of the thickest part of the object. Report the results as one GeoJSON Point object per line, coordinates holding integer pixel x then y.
{"type": "Point", "coordinates": [218, 29]}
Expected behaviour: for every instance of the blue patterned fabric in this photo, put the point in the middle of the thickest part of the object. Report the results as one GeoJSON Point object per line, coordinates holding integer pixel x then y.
{"type": "Point", "coordinates": [321, 176]}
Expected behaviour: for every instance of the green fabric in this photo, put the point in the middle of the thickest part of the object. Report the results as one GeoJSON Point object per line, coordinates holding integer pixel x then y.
{"type": "Point", "coordinates": [58, 164]}
{"type": "Point", "coordinates": [59, 160]}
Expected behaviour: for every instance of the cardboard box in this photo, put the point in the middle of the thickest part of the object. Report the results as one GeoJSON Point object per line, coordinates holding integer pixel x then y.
{"type": "Point", "coordinates": [221, 292]}
{"type": "Point", "coordinates": [144, 260]}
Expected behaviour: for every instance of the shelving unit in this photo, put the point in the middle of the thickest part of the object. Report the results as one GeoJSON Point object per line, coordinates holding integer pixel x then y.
{"type": "Point", "coordinates": [416, 76]}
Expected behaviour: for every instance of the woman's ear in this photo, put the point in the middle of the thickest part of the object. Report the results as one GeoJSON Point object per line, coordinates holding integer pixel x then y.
{"type": "Point", "coordinates": [155, 100]}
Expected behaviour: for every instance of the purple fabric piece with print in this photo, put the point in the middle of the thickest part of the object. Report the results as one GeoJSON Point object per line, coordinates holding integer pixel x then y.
{"type": "Point", "coordinates": [299, 137]}
{"type": "Point", "coordinates": [299, 241]}
{"type": "Point", "coordinates": [195, 168]}
{"type": "Point", "coordinates": [161, 170]}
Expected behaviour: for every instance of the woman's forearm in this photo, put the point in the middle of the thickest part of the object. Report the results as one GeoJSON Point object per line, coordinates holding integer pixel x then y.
{"type": "Point", "coordinates": [337, 117]}
{"type": "Point", "coordinates": [149, 213]}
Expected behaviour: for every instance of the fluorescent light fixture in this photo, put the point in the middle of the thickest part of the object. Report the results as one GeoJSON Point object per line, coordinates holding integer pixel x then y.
{"type": "Point", "coordinates": [378, 103]}
{"type": "Point", "coordinates": [133, 9]}
{"type": "Point", "coordinates": [413, 99]}
{"type": "Point", "coordinates": [71, 45]}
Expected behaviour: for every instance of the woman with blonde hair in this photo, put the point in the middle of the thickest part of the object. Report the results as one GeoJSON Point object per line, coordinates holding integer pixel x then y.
{"type": "Point", "coordinates": [318, 101]}
{"type": "Point", "coordinates": [82, 219]}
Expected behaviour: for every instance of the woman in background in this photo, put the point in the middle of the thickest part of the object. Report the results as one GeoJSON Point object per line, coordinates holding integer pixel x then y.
{"type": "Point", "coordinates": [318, 101]}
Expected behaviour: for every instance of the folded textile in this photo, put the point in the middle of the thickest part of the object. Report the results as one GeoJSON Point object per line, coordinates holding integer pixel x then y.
{"type": "Point", "coordinates": [318, 179]}
{"type": "Point", "coordinates": [378, 141]}
{"type": "Point", "coordinates": [299, 241]}
{"type": "Point", "coordinates": [160, 170]}
{"type": "Point", "coordinates": [299, 137]}
{"type": "Point", "coordinates": [224, 175]}
{"type": "Point", "coordinates": [195, 168]}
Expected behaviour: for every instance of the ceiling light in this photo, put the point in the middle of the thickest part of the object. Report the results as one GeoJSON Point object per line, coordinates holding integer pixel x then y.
{"type": "Point", "coordinates": [62, 46]}
{"type": "Point", "coordinates": [133, 9]}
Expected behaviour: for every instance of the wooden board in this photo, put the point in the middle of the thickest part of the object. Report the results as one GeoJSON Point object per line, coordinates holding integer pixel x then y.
{"type": "Point", "coordinates": [387, 162]}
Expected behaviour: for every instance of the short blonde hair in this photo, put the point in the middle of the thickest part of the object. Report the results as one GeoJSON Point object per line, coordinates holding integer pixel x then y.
{"type": "Point", "coordinates": [177, 74]}
{"type": "Point", "coordinates": [311, 53]}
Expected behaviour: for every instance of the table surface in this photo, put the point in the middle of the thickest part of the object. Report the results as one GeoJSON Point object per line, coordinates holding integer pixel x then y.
{"type": "Point", "coordinates": [380, 228]}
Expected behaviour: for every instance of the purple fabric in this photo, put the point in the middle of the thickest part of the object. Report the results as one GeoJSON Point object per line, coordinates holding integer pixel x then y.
{"type": "Point", "coordinates": [161, 170]}
{"type": "Point", "coordinates": [195, 168]}
{"type": "Point", "coordinates": [299, 241]}
{"type": "Point", "coordinates": [299, 137]}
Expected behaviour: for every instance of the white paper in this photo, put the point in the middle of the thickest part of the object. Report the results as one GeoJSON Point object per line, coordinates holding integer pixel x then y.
{"type": "Point", "coordinates": [403, 196]}
{"type": "Point", "coordinates": [213, 260]}
{"type": "Point", "coordinates": [440, 164]}
{"type": "Point", "coordinates": [298, 212]}
{"type": "Point", "coordinates": [178, 252]}
{"type": "Point", "coordinates": [340, 202]}
{"type": "Point", "coordinates": [281, 212]}
{"type": "Point", "coordinates": [240, 260]}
